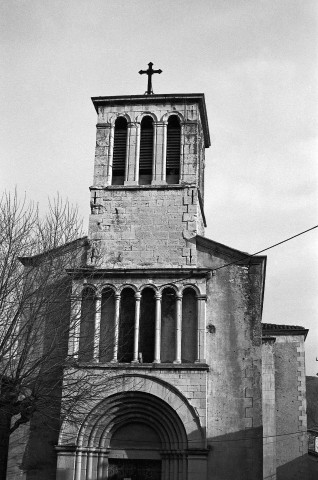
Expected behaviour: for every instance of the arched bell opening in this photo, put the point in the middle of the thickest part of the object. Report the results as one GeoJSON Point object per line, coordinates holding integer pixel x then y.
{"type": "Point", "coordinates": [173, 150]}
{"type": "Point", "coordinates": [119, 152]}
{"type": "Point", "coordinates": [146, 151]}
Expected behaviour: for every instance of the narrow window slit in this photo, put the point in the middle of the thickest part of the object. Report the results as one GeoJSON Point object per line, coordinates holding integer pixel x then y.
{"type": "Point", "coordinates": [119, 152]}
{"type": "Point", "coordinates": [173, 150]}
{"type": "Point", "coordinates": [146, 151]}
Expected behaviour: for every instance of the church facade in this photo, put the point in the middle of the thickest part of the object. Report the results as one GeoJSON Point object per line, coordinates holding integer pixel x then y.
{"type": "Point", "coordinates": [197, 387]}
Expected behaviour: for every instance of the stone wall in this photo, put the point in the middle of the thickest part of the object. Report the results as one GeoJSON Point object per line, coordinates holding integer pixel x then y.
{"type": "Point", "coordinates": [290, 384]}
{"type": "Point", "coordinates": [234, 432]}
{"type": "Point", "coordinates": [144, 226]}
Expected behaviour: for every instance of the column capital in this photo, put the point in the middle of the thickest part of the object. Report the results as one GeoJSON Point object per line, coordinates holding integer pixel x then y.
{"type": "Point", "coordinates": [137, 296]}
{"type": "Point", "coordinates": [202, 297]}
{"type": "Point", "coordinates": [117, 295]}
{"type": "Point", "coordinates": [158, 295]}
{"type": "Point", "coordinates": [76, 297]}
{"type": "Point", "coordinates": [103, 125]}
{"type": "Point", "coordinates": [161, 123]}
{"type": "Point", "coordinates": [179, 296]}
{"type": "Point", "coordinates": [98, 297]}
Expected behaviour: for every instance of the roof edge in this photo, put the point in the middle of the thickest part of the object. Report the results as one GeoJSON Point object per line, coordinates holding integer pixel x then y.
{"type": "Point", "coordinates": [274, 329]}
{"type": "Point", "coordinates": [34, 259]}
{"type": "Point", "coordinates": [231, 252]}
{"type": "Point", "coordinates": [199, 97]}
{"type": "Point", "coordinates": [237, 256]}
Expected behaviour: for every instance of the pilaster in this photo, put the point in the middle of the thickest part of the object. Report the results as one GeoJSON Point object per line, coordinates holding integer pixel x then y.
{"type": "Point", "coordinates": [103, 154]}
{"type": "Point", "coordinates": [201, 352]}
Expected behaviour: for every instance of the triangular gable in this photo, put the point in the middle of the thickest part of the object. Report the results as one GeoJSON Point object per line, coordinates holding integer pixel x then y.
{"type": "Point", "coordinates": [230, 256]}
{"type": "Point", "coordinates": [229, 253]}
{"type": "Point", "coordinates": [55, 252]}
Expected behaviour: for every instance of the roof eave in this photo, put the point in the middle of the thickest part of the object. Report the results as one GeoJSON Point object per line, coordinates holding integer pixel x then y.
{"type": "Point", "coordinates": [284, 330]}
{"type": "Point", "coordinates": [35, 259]}
{"type": "Point", "coordinates": [199, 97]}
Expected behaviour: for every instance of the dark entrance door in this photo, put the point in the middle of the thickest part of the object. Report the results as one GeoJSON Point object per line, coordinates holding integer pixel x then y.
{"type": "Point", "coordinates": [123, 469]}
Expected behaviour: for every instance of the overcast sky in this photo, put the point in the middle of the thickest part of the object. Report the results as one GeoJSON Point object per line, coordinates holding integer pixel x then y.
{"type": "Point", "coordinates": [256, 62]}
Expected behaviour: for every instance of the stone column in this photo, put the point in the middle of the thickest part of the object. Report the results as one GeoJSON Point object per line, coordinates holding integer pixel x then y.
{"type": "Point", "coordinates": [116, 327]}
{"type": "Point", "coordinates": [102, 470]}
{"type": "Point", "coordinates": [132, 154]}
{"type": "Point", "coordinates": [78, 465]}
{"type": "Point", "coordinates": [75, 327]}
{"type": "Point", "coordinates": [136, 333]}
{"type": "Point", "coordinates": [201, 340]}
{"type": "Point", "coordinates": [97, 317]}
{"type": "Point", "coordinates": [89, 465]}
{"type": "Point", "coordinates": [165, 466]}
{"type": "Point", "coordinates": [158, 298]}
{"type": "Point", "coordinates": [178, 327]}
{"type": "Point", "coordinates": [160, 154]}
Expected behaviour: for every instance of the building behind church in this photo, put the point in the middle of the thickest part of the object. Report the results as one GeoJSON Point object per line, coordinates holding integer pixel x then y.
{"type": "Point", "coordinates": [197, 387]}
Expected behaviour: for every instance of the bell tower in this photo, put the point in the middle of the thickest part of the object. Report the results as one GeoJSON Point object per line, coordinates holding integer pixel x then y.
{"type": "Point", "coordinates": [175, 335]}
{"type": "Point", "coordinates": [147, 195]}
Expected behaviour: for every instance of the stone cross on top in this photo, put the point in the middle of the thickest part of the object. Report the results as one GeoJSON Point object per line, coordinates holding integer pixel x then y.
{"type": "Point", "coordinates": [149, 72]}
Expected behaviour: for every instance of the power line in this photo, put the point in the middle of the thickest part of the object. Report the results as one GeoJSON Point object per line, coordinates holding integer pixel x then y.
{"type": "Point", "coordinates": [225, 440]}
{"type": "Point", "coordinates": [246, 256]}
{"type": "Point", "coordinates": [265, 249]}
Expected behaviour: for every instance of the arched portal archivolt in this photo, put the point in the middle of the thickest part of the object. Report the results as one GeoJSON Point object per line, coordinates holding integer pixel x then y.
{"type": "Point", "coordinates": [126, 407]}
{"type": "Point", "coordinates": [138, 400]}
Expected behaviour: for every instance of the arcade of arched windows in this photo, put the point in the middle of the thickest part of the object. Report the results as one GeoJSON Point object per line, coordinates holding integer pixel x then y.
{"type": "Point", "coordinates": [149, 135]}
{"type": "Point", "coordinates": [146, 326]}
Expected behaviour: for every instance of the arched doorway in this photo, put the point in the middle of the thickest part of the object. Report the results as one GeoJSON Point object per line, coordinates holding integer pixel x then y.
{"type": "Point", "coordinates": [144, 426]}
{"type": "Point", "coordinates": [139, 446]}
{"type": "Point", "coordinates": [132, 435]}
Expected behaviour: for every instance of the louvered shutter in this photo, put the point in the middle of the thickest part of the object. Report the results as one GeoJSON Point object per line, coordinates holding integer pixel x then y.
{"type": "Point", "coordinates": [119, 152]}
{"type": "Point", "coordinates": [146, 151]}
{"type": "Point", "coordinates": [173, 150]}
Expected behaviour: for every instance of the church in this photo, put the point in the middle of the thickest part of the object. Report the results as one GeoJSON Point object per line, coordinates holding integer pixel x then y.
{"type": "Point", "coordinates": [197, 387]}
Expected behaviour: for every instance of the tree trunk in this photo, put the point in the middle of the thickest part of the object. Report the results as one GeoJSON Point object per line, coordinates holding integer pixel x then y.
{"type": "Point", "coordinates": [5, 422]}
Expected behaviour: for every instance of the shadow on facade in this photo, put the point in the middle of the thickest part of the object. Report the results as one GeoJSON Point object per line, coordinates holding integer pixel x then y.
{"type": "Point", "coordinates": [39, 459]}
{"type": "Point", "coordinates": [237, 455]}
{"type": "Point", "coordinates": [233, 456]}
{"type": "Point", "coordinates": [302, 468]}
